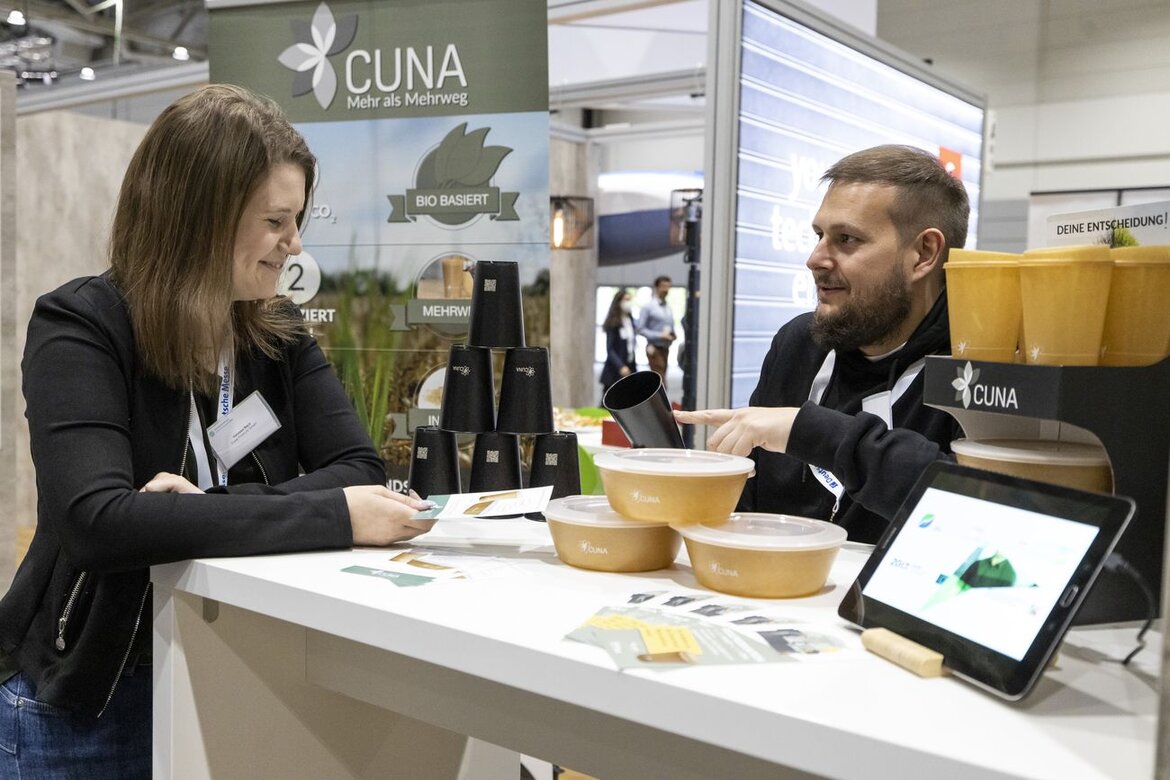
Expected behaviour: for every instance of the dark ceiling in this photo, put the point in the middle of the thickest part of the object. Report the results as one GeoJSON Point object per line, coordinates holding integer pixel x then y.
{"type": "Point", "coordinates": [60, 37]}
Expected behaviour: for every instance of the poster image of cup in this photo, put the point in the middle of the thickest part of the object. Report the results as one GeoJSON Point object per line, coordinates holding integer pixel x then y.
{"type": "Point", "coordinates": [442, 293]}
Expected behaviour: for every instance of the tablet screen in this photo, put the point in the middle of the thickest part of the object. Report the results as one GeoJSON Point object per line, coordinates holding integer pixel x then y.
{"type": "Point", "coordinates": [988, 570]}
{"type": "Point", "coordinates": [990, 576]}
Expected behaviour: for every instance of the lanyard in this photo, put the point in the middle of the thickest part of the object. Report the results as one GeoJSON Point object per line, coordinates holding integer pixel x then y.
{"type": "Point", "coordinates": [223, 407]}
{"type": "Point", "coordinates": [880, 404]}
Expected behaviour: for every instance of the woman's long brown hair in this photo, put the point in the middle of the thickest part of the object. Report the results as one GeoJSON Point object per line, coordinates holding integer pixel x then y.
{"type": "Point", "coordinates": [171, 245]}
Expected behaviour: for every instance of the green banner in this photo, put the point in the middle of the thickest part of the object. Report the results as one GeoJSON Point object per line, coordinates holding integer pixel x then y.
{"type": "Point", "coordinates": [355, 59]}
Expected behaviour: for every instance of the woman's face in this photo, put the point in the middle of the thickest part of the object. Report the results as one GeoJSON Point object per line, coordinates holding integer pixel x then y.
{"type": "Point", "coordinates": [267, 234]}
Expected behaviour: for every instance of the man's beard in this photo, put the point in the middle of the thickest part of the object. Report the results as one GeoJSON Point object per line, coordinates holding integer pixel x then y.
{"type": "Point", "coordinates": [865, 320]}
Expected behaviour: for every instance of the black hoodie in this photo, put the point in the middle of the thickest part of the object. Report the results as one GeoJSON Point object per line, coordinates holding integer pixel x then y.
{"type": "Point", "coordinates": [876, 465]}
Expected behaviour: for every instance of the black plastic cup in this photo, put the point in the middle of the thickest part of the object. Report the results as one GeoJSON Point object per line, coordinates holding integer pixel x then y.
{"type": "Point", "coordinates": [495, 463]}
{"type": "Point", "coordinates": [434, 462]}
{"type": "Point", "coordinates": [555, 462]}
{"type": "Point", "coordinates": [468, 391]}
{"type": "Point", "coordinates": [639, 404]}
{"type": "Point", "coordinates": [497, 310]}
{"type": "Point", "coordinates": [525, 392]}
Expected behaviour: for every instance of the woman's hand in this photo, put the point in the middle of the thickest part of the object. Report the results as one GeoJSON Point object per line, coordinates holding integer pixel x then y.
{"type": "Point", "coordinates": [165, 482]}
{"type": "Point", "coordinates": [379, 516]}
{"type": "Point", "coordinates": [624, 371]}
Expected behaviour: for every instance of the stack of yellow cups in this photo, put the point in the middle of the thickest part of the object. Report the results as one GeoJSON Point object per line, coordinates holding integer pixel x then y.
{"type": "Point", "coordinates": [983, 300]}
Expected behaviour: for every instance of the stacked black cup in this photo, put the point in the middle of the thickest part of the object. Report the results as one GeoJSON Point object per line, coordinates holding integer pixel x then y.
{"type": "Point", "coordinates": [525, 408]}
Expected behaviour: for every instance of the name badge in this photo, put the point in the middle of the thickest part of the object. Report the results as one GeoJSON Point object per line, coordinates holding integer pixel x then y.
{"type": "Point", "coordinates": [881, 405]}
{"type": "Point", "coordinates": [239, 432]}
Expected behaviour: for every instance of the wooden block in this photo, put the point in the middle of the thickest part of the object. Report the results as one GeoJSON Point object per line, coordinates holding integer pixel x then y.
{"type": "Point", "coordinates": [897, 649]}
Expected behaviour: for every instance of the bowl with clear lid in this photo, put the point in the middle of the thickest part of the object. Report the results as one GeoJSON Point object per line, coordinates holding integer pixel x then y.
{"type": "Point", "coordinates": [588, 534]}
{"type": "Point", "coordinates": [680, 487]}
{"type": "Point", "coordinates": [763, 555]}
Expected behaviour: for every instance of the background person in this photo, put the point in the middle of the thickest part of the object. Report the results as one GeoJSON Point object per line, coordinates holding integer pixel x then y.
{"type": "Point", "coordinates": [620, 340]}
{"type": "Point", "coordinates": [123, 373]}
{"type": "Point", "coordinates": [836, 423]}
{"type": "Point", "coordinates": [656, 325]}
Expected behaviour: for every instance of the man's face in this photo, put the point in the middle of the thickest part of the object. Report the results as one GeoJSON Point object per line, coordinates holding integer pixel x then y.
{"type": "Point", "coordinates": [860, 267]}
{"type": "Point", "coordinates": [661, 289]}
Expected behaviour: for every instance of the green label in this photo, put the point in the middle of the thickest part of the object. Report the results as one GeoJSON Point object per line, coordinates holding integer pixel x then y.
{"type": "Point", "coordinates": [400, 579]}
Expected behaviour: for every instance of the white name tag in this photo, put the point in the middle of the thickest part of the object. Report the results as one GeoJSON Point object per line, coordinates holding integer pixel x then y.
{"type": "Point", "coordinates": [250, 422]}
{"type": "Point", "coordinates": [880, 404]}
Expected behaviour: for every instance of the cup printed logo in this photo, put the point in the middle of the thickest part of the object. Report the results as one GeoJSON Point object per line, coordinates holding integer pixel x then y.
{"type": "Point", "coordinates": [493, 456]}
{"type": "Point", "coordinates": [718, 569]}
{"type": "Point", "coordinates": [308, 58]}
{"type": "Point", "coordinates": [589, 549]}
{"type": "Point", "coordinates": [452, 184]}
{"type": "Point", "coordinates": [462, 370]}
{"type": "Point", "coordinates": [641, 498]}
{"type": "Point", "coordinates": [970, 390]}
{"type": "Point", "coordinates": [527, 371]}
{"type": "Point", "coordinates": [489, 285]}
{"type": "Point", "coordinates": [422, 452]}
{"type": "Point", "coordinates": [550, 458]}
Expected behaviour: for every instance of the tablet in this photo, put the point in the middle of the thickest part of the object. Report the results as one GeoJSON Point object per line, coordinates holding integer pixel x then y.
{"type": "Point", "coordinates": [987, 570]}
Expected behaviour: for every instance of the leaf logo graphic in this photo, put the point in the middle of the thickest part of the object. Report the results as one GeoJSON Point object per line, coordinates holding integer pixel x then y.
{"type": "Point", "coordinates": [322, 38]}
{"type": "Point", "coordinates": [966, 378]}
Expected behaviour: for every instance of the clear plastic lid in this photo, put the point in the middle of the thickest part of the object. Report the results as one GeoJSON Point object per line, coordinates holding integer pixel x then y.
{"type": "Point", "coordinates": [759, 531]}
{"type": "Point", "coordinates": [668, 462]}
{"type": "Point", "coordinates": [589, 510]}
{"type": "Point", "coordinates": [1042, 451]}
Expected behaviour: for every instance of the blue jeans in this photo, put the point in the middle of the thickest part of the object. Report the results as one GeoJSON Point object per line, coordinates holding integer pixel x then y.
{"type": "Point", "coordinates": [41, 742]}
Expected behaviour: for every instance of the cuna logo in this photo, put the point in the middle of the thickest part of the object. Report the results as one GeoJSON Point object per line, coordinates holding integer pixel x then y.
{"type": "Point", "coordinates": [640, 498]}
{"type": "Point", "coordinates": [589, 549]}
{"type": "Point", "coordinates": [722, 572]}
{"type": "Point", "coordinates": [969, 390]}
{"type": "Point", "coordinates": [407, 67]}
{"type": "Point", "coordinates": [308, 58]}
{"type": "Point", "coordinates": [461, 370]}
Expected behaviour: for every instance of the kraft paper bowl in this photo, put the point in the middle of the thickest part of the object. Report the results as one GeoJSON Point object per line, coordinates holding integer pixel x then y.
{"type": "Point", "coordinates": [588, 534]}
{"type": "Point", "coordinates": [1071, 464]}
{"type": "Point", "coordinates": [763, 555]}
{"type": "Point", "coordinates": [673, 486]}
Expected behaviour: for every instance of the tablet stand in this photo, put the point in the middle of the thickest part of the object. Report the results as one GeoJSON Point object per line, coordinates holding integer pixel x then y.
{"type": "Point", "coordinates": [1124, 409]}
{"type": "Point", "coordinates": [904, 652]}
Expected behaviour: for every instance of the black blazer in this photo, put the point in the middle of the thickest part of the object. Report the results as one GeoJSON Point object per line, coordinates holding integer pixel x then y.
{"type": "Point", "coordinates": [617, 354]}
{"type": "Point", "coordinates": [100, 428]}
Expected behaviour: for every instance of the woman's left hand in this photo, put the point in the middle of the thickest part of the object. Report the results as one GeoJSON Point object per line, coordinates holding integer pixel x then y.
{"type": "Point", "coordinates": [165, 482]}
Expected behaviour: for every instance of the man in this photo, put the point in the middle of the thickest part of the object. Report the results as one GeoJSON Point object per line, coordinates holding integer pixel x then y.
{"type": "Point", "coordinates": [836, 424]}
{"type": "Point", "coordinates": [656, 324]}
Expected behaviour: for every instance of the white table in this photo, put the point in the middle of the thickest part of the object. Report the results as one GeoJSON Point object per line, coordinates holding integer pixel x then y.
{"type": "Point", "coordinates": [286, 666]}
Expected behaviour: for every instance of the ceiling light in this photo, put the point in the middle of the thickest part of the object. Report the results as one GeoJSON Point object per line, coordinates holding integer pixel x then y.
{"type": "Point", "coordinates": [87, 74]}
{"type": "Point", "coordinates": [181, 54]}
{"type": "Point", "coordinates": [15, 18]}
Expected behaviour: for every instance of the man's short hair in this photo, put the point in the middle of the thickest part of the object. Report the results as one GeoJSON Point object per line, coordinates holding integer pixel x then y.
{"type": "Point", "coordinates": [927, 197]}
{"type": "Point", "coordinates": [659, 280]}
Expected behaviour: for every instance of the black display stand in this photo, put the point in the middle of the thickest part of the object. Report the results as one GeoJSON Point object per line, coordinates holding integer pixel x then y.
{"type": "Point", "coordinates": [1126, 409]}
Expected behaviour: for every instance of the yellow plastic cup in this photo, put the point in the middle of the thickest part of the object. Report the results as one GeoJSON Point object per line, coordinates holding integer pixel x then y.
{"type": "Point", "coordinates": [983, 300]}
{"type": "Point", "coordinates": [1064, 292]}
{"type": "Point", "coordinates": [1137, 321]}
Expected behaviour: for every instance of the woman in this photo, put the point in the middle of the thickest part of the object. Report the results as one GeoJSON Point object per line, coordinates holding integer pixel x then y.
{"type": "Point", "coordinates": [619, 341]}
{"type": "Point", "coordinates": [123, 375]}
